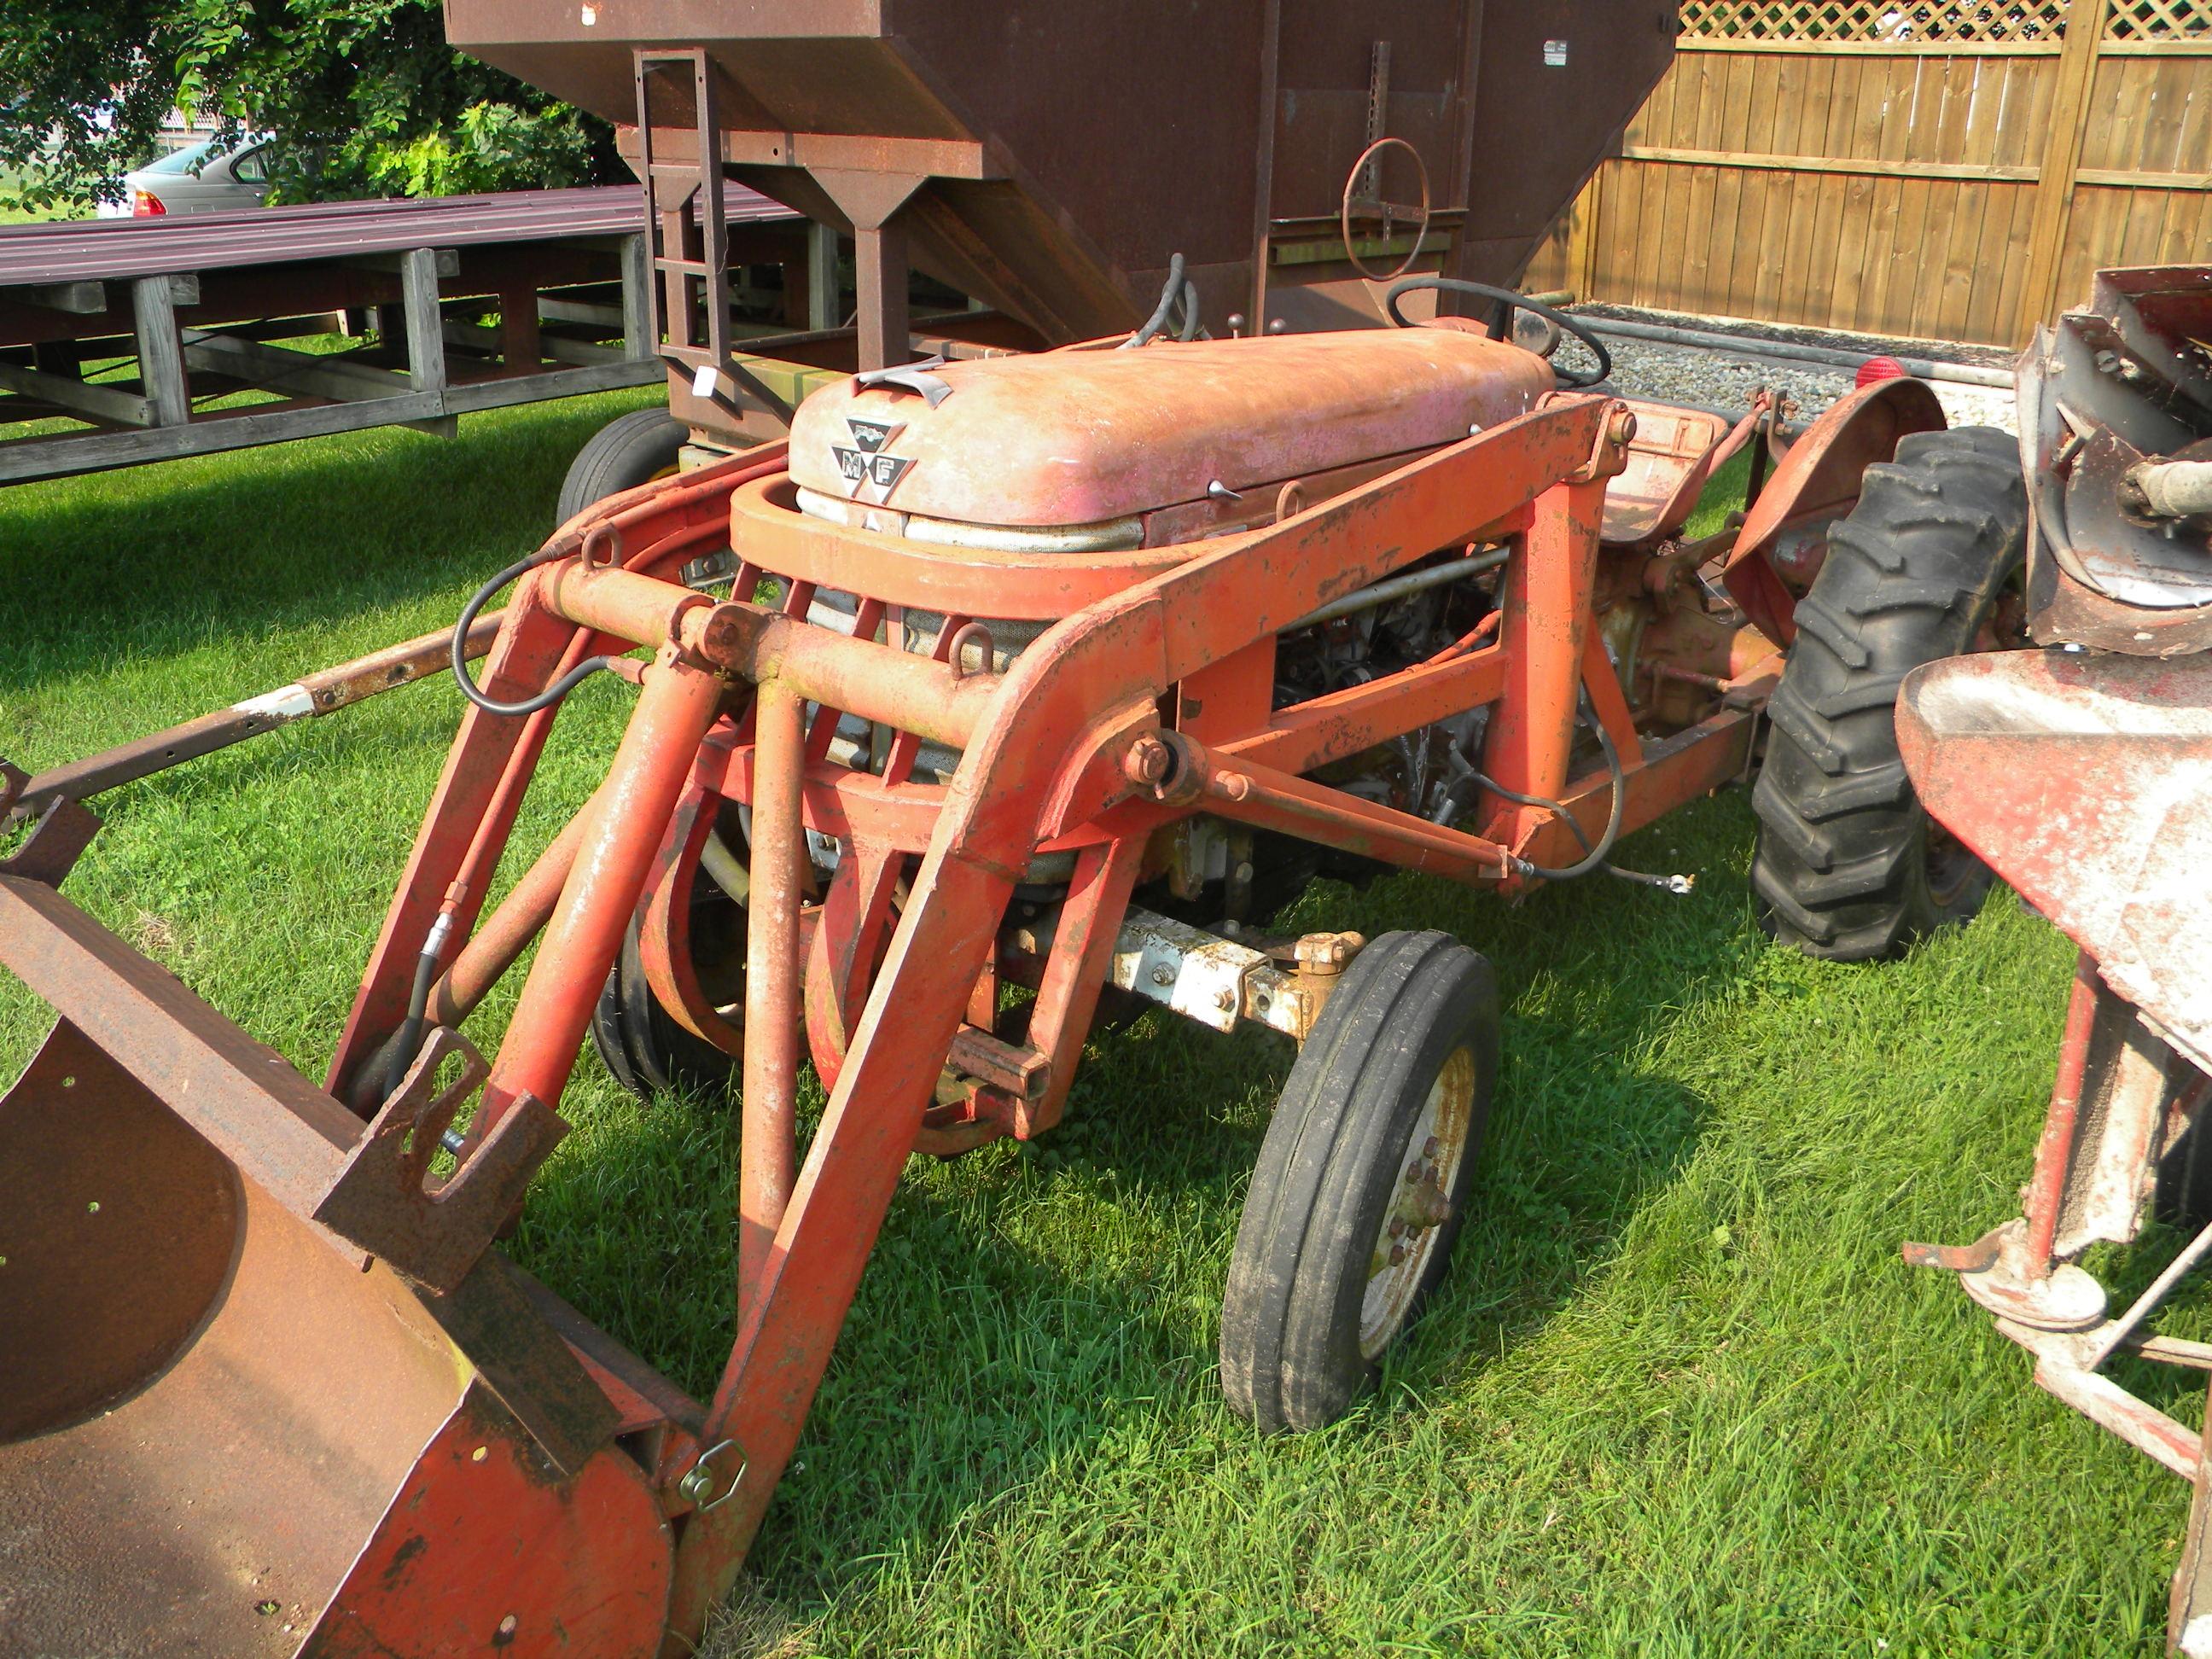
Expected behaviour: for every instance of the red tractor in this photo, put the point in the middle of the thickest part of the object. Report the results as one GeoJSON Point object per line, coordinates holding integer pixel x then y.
{"type": "Point", "coordinates": [1014, 687]}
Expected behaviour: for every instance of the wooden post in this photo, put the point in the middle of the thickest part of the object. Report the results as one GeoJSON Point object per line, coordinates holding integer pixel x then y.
{"type": "Point", "coordinates": [426, 335]}
{"type": "Point", "coordinates": [2054, 189]}
{"type": "Point", "coordinates": [520, 349]}
{"type": "Point", "coordinates": [161, 354]}
{"type": "Point", "coordinates": [823, 292]}
{"type": "Point", "coordinates": [640, 339]}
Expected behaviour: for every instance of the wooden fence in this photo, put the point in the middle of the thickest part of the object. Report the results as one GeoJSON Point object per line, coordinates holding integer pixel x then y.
{"type": "Point", "coordinates": [1948, 169]}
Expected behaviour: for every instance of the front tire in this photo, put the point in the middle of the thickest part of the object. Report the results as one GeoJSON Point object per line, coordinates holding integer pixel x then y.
{"type": "Point", "coordinates": [629, 451]}
{"type": "Point", "coordinates": [1848, 866]}
{"type": "Point", "coordinates": [639, 1042]}
{"type": "Point", "coordinates": [1362, 1182]}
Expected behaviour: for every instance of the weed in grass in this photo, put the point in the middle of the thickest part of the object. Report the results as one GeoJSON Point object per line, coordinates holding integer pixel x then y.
{"type": "Point", "coordinates": [1677, 1397]}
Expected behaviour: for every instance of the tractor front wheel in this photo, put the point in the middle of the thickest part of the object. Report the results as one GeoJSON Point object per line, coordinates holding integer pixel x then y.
{"type": "Point", "coordinates": [648, 1052]}
{"type": "Point", "coordinates": [629, 451]}
{"type": "Point", "coordinates": [1362, 1182]}
{"type": "Point", "coordinates": [639, 1042]}
{"type": "Point", "coordinates": [1848, 866]}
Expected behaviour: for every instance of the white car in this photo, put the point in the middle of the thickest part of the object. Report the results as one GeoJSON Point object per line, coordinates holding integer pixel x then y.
{"type": "Point", "coordinates": [196, 179]}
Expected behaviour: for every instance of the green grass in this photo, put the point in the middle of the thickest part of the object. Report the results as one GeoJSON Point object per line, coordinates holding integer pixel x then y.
{"type": "Point", "coordinates": [1678, 1397]}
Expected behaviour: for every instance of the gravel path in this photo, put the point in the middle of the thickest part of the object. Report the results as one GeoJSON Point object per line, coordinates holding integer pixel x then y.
{"type": "Point", "coordinates": [1687, 374]}
{"type": "Point", "coordinates": [1724, 380]}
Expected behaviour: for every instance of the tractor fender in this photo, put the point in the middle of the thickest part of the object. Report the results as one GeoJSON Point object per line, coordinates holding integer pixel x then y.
{"type": "Point", "coordinates": [1819, 477]}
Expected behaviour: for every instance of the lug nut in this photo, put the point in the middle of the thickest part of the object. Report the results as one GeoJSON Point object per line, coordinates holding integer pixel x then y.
{"type": "Point", "coordinates": [1429, 1148]}
{"type": "Point", "coordinates": [1397, 1253]}
{"type": "Point", "coordinates": [1397, 1226]}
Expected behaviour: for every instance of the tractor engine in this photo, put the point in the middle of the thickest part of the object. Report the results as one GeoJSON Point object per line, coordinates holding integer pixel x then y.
{"type": "Point", "coordinates": [1101, 450]}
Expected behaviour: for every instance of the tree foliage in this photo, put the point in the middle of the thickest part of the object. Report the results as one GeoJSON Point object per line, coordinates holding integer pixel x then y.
{"type": "Point", "coordinates": [364, 96]}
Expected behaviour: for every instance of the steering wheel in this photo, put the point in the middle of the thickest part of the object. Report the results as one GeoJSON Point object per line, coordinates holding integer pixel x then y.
{"type": "Point", "coordinates": [1350, 201]}
{"type": "Point", "coordinates": [1506, 300]}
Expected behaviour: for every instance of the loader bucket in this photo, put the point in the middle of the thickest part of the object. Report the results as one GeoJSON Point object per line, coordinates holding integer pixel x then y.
{"type": "Point", "coordinates": [226, 1431]}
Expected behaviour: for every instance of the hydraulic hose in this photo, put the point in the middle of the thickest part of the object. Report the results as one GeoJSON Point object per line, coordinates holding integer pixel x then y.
{"type": "Point", "coordinates": [1594, 855]}
{"type": "Point", "coordinates": [1178, 287]}
{"type": "Point", "coordinates": [408, 1038]}
{"type": "Point", "coordinates": [545, 699]}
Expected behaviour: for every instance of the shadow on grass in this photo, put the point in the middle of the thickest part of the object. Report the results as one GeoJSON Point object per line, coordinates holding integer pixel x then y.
{"type": "Point", "coordinates": [176, 555]}
{"type": "Point", "coordinates": [1033, 1305]}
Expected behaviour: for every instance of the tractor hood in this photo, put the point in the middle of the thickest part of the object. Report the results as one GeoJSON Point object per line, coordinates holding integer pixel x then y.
{"type": "Point", "coordinates": [1081, 437]}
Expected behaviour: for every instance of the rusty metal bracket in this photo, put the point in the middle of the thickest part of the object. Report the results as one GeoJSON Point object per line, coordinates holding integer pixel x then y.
{"type": "Point", "coordinates": [1609, 455]}
{"type": "Point", "coordinates": [383, 1197]}
{"type": "Point", "coordinates": [1977, 1257]}
{"type": "Point", "coordinates": [51, 851]}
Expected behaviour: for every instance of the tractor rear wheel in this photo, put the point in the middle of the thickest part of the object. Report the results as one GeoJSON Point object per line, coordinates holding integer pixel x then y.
{"type": "Point", "coordinates": [1848, 866]}
{"type": "Point", "coordinates": [1362, 1181]}
{"type": "Point", "coordinates": [628, 451]}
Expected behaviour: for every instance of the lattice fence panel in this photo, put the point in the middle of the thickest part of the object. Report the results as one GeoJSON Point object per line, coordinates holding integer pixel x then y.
{"type": "Point", "coordinates": [1892, 20]}
{"type": "Point", "coordinates": [2160, 20]}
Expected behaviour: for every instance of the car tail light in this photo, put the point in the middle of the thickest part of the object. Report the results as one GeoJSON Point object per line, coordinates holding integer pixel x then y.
{"type": "Point", "coordinates": [144, 204]}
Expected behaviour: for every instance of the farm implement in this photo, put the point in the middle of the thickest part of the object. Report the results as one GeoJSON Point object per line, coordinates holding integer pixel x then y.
{"type": "Point", "coordinates": [1010, 690]}
{"type": "Point", "coordinates": [2083, 773]}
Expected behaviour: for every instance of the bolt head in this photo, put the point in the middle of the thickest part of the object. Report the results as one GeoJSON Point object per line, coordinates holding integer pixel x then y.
{"type": "Point", "coordinates": [1149, 759]}
{"type": "Point", "coordinates": [1323, 951]}
{"type": "Point", "coordinates": [1429, 1147]}
{"type": "Point", "coordinates": [1397, 1253]}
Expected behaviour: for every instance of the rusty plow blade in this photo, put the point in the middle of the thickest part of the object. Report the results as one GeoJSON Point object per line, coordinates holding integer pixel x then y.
{"type": "Point", "coordinates": [231, 1425]}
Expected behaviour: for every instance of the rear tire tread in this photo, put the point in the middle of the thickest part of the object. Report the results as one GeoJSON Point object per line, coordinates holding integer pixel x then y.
{"type": "Point", "coordinates": [1841, 868]}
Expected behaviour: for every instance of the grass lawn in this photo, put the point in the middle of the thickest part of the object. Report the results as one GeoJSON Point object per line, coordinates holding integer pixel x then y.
{"type": "Point", "coordinates": [1678, 1396]}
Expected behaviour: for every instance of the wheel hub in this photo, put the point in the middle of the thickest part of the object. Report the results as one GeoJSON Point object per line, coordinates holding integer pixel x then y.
{"type": "Point", "coordinates": [1406, 1241]}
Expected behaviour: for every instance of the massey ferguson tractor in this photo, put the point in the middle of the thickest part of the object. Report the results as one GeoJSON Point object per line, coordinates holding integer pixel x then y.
{"type": "Point", "coordinates": [991, 691]}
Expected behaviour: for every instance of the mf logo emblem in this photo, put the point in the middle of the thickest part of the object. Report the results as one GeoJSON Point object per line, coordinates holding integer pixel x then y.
{"type": "Point", "coordinates": [870, 471]}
